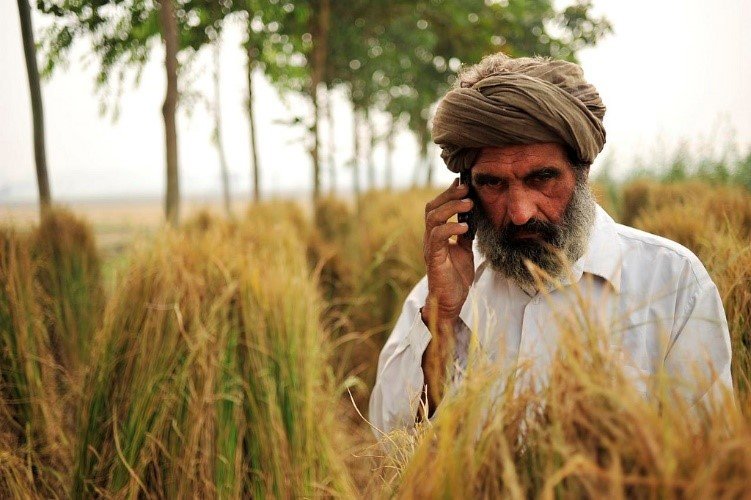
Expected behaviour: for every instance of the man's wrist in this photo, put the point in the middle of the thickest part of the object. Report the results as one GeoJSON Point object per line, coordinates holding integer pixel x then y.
{"type": "Point", "coordinates": [437, 323]}
{"type": "Point", "coordinates": [439, 352]}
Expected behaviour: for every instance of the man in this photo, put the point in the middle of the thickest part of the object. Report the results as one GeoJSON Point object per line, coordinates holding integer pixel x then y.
{"type": "Point", "coordinates": [527, 130]}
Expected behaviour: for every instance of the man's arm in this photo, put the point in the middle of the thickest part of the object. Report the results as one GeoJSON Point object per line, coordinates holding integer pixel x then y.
{"type": "Point", "coordinates": [413, 364]}
{"type": "Point", "coordinates": [438, 356]}
{"type": "Point", "coordinates": [399, 385]}
{"type": "Point", "coordinates": [436, 301]}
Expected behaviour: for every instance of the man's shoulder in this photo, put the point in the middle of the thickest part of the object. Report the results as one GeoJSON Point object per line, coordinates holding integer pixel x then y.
{"type": "Point", "coordinates": [650, 251]}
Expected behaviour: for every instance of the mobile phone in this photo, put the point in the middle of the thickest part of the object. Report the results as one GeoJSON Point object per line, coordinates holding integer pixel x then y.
{"type": "Point", "coordinates": [465, 177]}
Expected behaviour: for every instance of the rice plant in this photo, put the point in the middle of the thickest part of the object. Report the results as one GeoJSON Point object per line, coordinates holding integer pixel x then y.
{"type": "Point", "coordinates": [217, 367]}
{"type": "Point", "coordinates": [33, 446]}
{"type": "Point", "coordinates": [211, 379]}
{"type": "Point", "coordinates": [68, 272]}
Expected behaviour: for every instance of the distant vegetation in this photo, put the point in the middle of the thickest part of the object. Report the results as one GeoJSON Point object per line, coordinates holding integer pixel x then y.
{"type": "Point", "coordinates": [393, 59]}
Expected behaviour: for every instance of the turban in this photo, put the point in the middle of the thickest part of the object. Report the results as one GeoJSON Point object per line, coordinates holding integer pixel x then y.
{"type": "Point", "coordinates": [521, 101]}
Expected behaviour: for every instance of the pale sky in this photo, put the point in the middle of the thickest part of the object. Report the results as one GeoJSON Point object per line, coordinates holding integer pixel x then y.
{"type": "Point", "coordinates": [673, 70]}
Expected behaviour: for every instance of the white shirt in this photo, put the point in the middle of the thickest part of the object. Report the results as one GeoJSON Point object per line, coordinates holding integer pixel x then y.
{"type": "Point", "coordinates": [655, 297]}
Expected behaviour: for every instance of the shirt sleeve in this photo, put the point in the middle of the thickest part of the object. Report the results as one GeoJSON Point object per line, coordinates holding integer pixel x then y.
{"type": "Point", "coordinates": [699, 354]}
{"type": "Point", "coordinates": [400, 380]}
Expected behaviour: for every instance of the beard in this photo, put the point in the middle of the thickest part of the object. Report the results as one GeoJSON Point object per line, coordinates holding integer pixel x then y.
{"type": "Point", "coordinates": [558, 247]}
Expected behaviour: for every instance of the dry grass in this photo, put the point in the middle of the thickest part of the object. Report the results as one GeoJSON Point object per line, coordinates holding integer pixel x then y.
{"type": "Point", "coordinates": [222, 354]}
{"type": "Point", "coordinates": [369, 263]}
{"type": "Point", "coordinates": [586, 434]}
{"type": "Point", "coordinates": [68, 272]}
{"type": "Point", "coordinates": [212, 378]}
{"type": "Point", "coordinates": [642, 198]}
{"type": "Point", "coordinates": [33, 444]}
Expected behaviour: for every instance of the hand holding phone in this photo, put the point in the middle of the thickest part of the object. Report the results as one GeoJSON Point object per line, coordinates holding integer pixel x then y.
{"type": "Point", "coordinates": [450, 271]}
{"type": "Point", "coordinates": [465, 177]}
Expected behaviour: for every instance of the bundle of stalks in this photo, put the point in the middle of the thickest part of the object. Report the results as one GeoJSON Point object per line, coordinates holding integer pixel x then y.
{"type": "Point", "coordinates": [679, 223]}
{"type": "Point", "coordinates": [731, 207]}
{"type": "Point", "coordinates": [376, 259]}
{"type": "Point", "coordinates": [391, 228]}
{"type": "Point", "coordinates": [583, 432]}
{"type": "Point", "coordinates": [641, 198]}
{"type": "Point", "coordinates": [268, 214]}
{"type": "Point", "coordinates": [211, 378]}
{"type": "Point", "coordinates": [606, 196]}
{"type": "Point", "coordinates": [68, 272]}
{"type": "Point", "coordinates": [32, 442]}
{"type": "Point", "coordinates": [334, 223]}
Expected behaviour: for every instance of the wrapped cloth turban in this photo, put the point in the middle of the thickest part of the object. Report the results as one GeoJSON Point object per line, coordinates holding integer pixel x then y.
{"type": "Point", "coordinates": [521, 101]}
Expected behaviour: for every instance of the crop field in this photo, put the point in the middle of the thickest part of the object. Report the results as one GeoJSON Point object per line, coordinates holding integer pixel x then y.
{"type": "Point", "coordinates": [233, 358]}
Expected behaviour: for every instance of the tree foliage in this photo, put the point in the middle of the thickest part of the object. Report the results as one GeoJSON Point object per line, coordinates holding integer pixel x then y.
{"type": "Point", "coordinates": [400, 56]}
{"type": "Point", "coordinates": [392, 56]}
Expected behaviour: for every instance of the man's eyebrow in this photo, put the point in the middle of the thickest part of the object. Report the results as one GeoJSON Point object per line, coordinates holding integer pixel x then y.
{"type": "Point", "coordinates": [546, 170]}
{"type": "Point", "coordinates": [483, 178]}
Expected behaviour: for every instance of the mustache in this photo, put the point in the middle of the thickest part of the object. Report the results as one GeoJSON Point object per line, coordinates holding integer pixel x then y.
{"type": "Point", "coordinates": [548, 232]}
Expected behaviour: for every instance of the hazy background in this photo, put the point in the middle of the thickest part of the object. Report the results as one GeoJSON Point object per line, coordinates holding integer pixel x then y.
{"type": "Point", "coordinates": [671, 71]}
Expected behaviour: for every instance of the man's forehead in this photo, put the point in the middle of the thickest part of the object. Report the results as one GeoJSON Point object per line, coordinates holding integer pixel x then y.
{"type": "Point", "coordinates": [521, 156]}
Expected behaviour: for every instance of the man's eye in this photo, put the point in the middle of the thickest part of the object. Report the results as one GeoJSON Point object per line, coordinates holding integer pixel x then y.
{"type": "Point", "coordinates": [490, 182]}
{"type": "Point", "coordinates": [543, 176]}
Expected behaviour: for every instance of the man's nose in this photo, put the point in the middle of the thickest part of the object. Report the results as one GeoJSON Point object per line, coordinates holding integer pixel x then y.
{"type": "Point", "coordinates": [521, 207]}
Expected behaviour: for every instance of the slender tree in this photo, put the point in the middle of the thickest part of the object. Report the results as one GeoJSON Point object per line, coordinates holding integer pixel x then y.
{"type": "Point", "coordinates": [121, 33]}
{"type": "Point", "coordinates": [37, 111]}
{"type": "Point", "coordinates": [321, 28]}
{"type": "Point", "coordinates": [372, 139]}
{"type": "Point", "coordinates": [168, 23]}
{"type": "Point", "coordinates": [255, 168]}
{"type": "Point", "coordinates": [217, 133]}
{"type": "Point", "coordinates": [388, 180]}
{"type": "Point", "coordinates": [305, 26]}
{"type": "Point", "coordinates": [331, 149]}
{"type": "Point", "coordinates": [356, 151]}
{"type": "Point", "coordinates": [258, 14]}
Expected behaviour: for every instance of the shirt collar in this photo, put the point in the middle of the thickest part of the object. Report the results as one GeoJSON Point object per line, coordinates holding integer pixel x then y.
{"type": "Point", "coordinates": [479, 258]}
{"type": "Point", "coordinates": [602, 258]}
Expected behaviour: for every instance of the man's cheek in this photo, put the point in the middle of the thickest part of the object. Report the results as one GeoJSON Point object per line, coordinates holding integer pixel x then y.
{"type": "Point", "coordinates": [494, 209]}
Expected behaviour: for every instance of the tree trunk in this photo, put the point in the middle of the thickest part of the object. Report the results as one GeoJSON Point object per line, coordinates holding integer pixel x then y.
{"type": "Point", "coordinates": [389, 174]}
{"type": "Point", "coordinates": [35, 92]}
{"type": "Point", "coordinates": [419, 165]}
{"type": "Point", "coordinates": [255, 168]}
{"type": "Point", "coordinates": [356, 155]}
{"type": "Point", "coordinates": [168, 23]}
{"type": "Point", "coordinates": [371, 149]}
{"type": "Point", "coordinates": [428, 162]}
{"type": "Point", "coordinates": [332, 143]}
{"type": "Point", "coordinates": [320, 49]}
{"type": "Point", "coordinates": [218, 132]}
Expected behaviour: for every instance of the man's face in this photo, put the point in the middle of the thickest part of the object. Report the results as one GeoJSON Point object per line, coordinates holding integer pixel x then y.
{"type": "Point", "coordinates": [533, 207]}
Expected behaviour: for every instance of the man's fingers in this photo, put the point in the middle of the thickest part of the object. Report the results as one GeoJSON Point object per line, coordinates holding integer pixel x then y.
{"type": "Point", "coordinates": [441, 214]}
{"type": "Point", "coordinates": [455, 191]}
{"type": "Point", "coordinates": [439, 236]}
